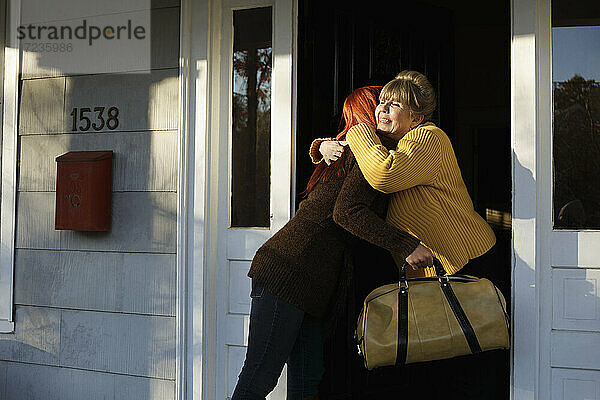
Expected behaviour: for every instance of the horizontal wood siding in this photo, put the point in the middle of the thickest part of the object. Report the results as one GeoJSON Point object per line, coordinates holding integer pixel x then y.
{"type": "Point", "coordinates": [146, 101]}
{"type": "Point", "coordinates": [139, 283]}
{"type": "Point", "coordinates": [95, 314]}
{"type": "Point", "coordinates": [35, 382]}
{"type": "Point", "coordinates": [142, 161]}
{"type": "Point", "coordinates": [141, 222]}
{"type": "Point", "coordinates": [97, 341]}
{"type": "Point", "coordinates": [41, 106]}
{"type": "Point", "coordinates": [123, 343]}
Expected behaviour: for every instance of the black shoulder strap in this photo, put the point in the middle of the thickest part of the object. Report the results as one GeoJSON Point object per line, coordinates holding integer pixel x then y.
{"type": "Point", "coordinates": [402, 326]}
{"type": "Point", "coordinates": [460, 315]}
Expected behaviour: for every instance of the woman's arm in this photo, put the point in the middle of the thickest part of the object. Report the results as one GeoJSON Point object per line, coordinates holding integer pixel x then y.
{"type": "Point", "coordinates": [353, 211]}
{"type": "Point", "coordinates": [416, 160]}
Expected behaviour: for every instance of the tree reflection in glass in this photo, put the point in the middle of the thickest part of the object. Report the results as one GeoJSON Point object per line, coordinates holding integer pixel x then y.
{"type": "Point", "coordinates": [251, 118]}
{"type": "Point", "coordinates": [576, 123]}
{"type": "Point", "coordinates": [576, 153]}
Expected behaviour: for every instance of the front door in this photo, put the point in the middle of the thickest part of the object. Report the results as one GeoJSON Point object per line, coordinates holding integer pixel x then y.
{"type": "Point", "coordinates": [570, 234]}
{"type": "Point", "coordinates": [251, 159]}
{"type": "Point", "coordinates": [556, 220]}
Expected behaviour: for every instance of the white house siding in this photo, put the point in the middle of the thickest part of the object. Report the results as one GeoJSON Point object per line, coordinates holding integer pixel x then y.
{"type": "Point", "coordinates": [95, 311]}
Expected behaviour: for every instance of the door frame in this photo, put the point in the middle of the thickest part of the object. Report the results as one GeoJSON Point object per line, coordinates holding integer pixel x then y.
{"type": "Point", "coordinates": [197, 246]}
{"type": "Point", "coordinates": [191, 196]}
{"type": "Point", "coordinates": [531, 117]}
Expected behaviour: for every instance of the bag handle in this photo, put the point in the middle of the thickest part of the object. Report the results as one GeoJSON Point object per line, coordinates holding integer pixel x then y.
{"type": "Point", "coordinates": [439, 269]}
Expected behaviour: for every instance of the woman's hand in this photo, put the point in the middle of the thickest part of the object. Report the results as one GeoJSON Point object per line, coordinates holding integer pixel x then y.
{"type": "Point", "coordinates": [421, 257]}
{"type": "Point", "coordinates": [332, 150]}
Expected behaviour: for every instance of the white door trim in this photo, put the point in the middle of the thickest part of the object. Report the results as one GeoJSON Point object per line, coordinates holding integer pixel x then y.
{"type": "Point", "coordinates": [531, 112]}
{"type": "Point", "coordinates": [192, 211]}
{"type": "Point", "coordinates": [182, 205]}
{"type": "Point", "coordinates": [544, 196]}
{"type": "Point", "coordinates": [524, 134]}
{"type": "Point", "coordinates": [12, 61]}
{"type": "Point", "coordinates": [238, 245]}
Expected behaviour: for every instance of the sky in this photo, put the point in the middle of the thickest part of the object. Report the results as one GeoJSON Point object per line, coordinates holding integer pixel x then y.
{"type": "Point", "coordinates": [575, 50]}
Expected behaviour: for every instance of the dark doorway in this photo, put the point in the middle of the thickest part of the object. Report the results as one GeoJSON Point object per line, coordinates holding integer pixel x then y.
{"type": "Point", "coordinates": [464, 51]}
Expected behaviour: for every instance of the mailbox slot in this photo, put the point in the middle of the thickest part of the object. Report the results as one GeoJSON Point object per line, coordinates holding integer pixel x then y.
{"type": "Point", "coordinates": [83, 190]}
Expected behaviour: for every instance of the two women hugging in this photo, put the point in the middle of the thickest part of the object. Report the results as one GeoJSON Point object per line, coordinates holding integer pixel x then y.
{"type": "Point", "coordinates": [388, 146]}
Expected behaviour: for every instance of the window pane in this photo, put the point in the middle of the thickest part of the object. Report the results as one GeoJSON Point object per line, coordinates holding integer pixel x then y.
{"type": "Point", "coordinates": [576, 124]}
{"type": "Point", "coordinates": [251, 141]}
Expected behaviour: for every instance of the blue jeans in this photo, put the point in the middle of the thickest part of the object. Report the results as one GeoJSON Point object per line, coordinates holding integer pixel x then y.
{"type": "Point", "coordinates": [279, 333]}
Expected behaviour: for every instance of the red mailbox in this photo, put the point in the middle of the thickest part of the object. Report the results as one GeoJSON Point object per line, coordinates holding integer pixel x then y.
{"type": "Point", "coordinates": [83, 190]}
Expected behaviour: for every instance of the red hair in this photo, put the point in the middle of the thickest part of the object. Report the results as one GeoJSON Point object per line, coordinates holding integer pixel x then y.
{"type": "Point", "coordinates": [359, 108]}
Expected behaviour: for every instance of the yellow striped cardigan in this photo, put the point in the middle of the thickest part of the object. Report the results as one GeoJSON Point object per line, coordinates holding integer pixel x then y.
{"type": "Point", "coordinates": [430, 199]}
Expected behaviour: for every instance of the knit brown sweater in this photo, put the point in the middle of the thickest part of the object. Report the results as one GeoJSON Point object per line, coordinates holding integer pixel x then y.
{"type": "Point", "coordinates": [301, 263]}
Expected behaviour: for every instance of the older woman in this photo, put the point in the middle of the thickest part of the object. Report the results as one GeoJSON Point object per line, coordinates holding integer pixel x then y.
{"type": "Point", "coordinates": [430, 199]}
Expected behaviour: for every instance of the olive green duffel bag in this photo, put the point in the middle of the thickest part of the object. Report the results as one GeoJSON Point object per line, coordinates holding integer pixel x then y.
{"type": "Point", "coordinates": [432, 318]}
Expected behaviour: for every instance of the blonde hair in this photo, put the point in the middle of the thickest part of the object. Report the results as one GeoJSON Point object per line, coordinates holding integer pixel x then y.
{"type": "Point", "coordinates": [413, 90]}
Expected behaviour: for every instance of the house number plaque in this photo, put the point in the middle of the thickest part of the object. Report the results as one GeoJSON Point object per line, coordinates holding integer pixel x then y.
{"type": "Point", "coordinates": [102, 116]}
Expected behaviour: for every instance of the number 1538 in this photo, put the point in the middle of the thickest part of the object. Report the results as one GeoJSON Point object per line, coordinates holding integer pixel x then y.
{"type": "Point", "coordinates": [84, 118]}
